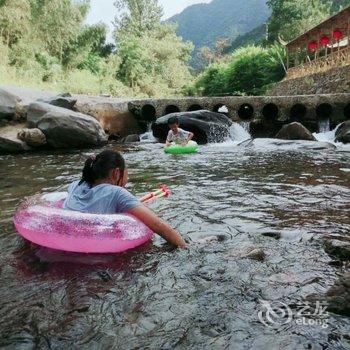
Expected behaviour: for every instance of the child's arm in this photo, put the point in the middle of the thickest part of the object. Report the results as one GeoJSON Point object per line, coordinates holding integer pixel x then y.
{"type": "Point", "coordinates": [168, 140]}
{"type": "Point", "coordinates": [190, 136]}
{"type": "Point", "coordinates": [157, 225]}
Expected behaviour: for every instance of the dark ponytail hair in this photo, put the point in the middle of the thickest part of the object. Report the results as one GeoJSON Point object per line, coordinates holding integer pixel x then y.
{"type": "Point", "coordinates": [98, 167]}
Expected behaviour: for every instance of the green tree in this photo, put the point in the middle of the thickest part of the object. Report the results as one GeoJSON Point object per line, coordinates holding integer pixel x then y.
{"type": "Point", "coordinates": [14, 20]}
{"type": "Point", "coordinates": [58, 23]}
{"type": "Point", "coordinates": [291, 18]}
{"type": "Point", "coordinates": [249, 70]}
{"type": "Point", "coordinates": [153, 58]}
{"type": "Point", "coordinates": [137, 16]}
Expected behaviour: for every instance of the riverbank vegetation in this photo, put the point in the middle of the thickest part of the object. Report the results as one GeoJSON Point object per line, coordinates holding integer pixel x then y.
{"type": "Point", "coordinates": [47, 44]}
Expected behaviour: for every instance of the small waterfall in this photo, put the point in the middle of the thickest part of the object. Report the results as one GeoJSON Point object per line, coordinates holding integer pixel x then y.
{"type": "Point", "coordinates": [326, 136]}
{"type": "Point", "coordinates": [148, 135]}
{"type": "Point", "coordinates": [246, 126]}
{"type": "Point", "coordinates": [324, 125]}
{"type": "Point", "coordinates": [239, 133]}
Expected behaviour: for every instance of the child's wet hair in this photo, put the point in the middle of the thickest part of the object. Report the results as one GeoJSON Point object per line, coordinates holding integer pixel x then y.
{"type": "Point", "coordinates": [98, 167]}
{"type": "Point", "coordinates": [173, 120]}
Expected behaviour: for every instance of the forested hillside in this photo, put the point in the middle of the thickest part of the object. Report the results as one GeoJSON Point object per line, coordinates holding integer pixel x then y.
{"type": "Point", "coordinates": [203, 24]}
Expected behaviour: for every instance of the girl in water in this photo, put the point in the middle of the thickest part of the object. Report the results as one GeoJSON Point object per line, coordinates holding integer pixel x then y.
{"type": "Point", "coordinates": [101, 191]}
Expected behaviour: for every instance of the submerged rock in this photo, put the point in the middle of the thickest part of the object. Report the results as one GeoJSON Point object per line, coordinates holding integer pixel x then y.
{"type": "Point", "coordinates": [338, 296]}
{"type": "Point", "coordinates": [338, 247]}
{"type": "Point", "coordinates": [206, 126]}
{"type": "Point", "coordinates": [343, 133]}
{"type": "Point", "coordinates": [32, 137]}
{"type": "Point", "coordinates": [295, 131]}
{"type": "Point", "coordinates": [131, 138]}
{"type": "Point", "coordinates": [64, 128]}
{"type": "Point", "coordinates": [256, 254]}
{"type": "Point", "coordinates": [248, 252]}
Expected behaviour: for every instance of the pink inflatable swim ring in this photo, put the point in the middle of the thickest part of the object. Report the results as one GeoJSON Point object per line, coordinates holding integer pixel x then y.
{"type": "Point", "coordinates": [42, 220]}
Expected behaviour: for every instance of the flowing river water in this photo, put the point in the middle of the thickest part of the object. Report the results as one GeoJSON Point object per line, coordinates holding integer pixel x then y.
{"type": "Point", "coordinates": [278, 197]}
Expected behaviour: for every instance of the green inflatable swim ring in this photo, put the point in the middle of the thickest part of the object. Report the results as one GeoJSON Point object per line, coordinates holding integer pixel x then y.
{"type": "Point", "coordinates": [191, 147]}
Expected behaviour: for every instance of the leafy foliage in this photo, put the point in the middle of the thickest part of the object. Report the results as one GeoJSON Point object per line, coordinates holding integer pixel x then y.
{"type": "Point", "coordinates": [248, 70]}
{"type": "Point", "coordinates": [291, 18]}
{"type": "Point", "coordinates": [46, 43]}
{"type": "Point", "coordinates": [203, 24]}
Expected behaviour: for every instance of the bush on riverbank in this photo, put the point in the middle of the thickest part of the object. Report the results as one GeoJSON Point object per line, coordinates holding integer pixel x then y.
{"type": "Point", "coordinates": [249, 70]}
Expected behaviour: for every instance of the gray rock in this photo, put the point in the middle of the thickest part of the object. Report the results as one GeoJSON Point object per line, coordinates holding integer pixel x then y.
{"type": "Point", "coordinates": [131, 138]}
{"type": "Point", "coordinates": [63, 100]}
{"type": "Point", "coordinates": [295, 131]}
{"type": "Point", "coordinates": [338, 296]}
{"type": "Point", "coordinates": [20, 98]}
{"type": "Point", "coordinates": [256, 254]}
{"type": "Point", "coordinates": [37, 110]}
{"type": "Point", "coordinates": [9, 143]}
{"type": "Point", "coordinates": [112, 114]}
{"type": "Point", "coordinates": [68, 129]}
{"type": "Point", "coordinates": [7, 104]}
{"type": "Point", "coordinates": [343, 133]}
{"type": "Point", "coordinates": [12, 146]}
{"type": "Point", "coordinates": [248, 252]}
{"type": "Point", "coordinates": [338, 248]}
{"type": "Point", "coordinates": [32, 137]}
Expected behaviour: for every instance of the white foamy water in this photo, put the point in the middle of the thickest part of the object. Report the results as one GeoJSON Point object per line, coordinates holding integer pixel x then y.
{"type": "Point", "coordinates": [239, 133]}
{"type": "Point", "coordinates": [245, 126]}
{"type": "Point", "coordinates": [148, 135]}
{"type": "Point", "coordinates": [324, 126]}
{"type": "Point", "coordinates": [326, 136]}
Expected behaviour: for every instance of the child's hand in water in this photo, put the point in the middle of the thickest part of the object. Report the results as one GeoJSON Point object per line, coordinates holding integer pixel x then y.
{"type": "Point", "coordinates": [184, 143]}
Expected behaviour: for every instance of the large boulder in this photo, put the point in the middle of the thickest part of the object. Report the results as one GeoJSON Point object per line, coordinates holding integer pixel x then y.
{"type": "Point", "coordinates": [9, 143]}
{"type": "Point", "coordinates": [112, 113]}
{"type": "Point", "coordinates": [32, 137]}
{"type": "Point", "coordinates": [343, 133]}
{"type": "Point", "coordinates": [63, 100]}
{"type": "Point", "coordinates": [37, 110]}
{"type": "Point", "coordinates": [338, 296]}
{"type": "Point", "coordinates": [7, 105]}
{"type": "Point", "coordinates": [64, 128]}
{"type": "Point", "coordinates": [206, 126]}
{"type": "Point", "coordinates": [16, 100]}
{"type": "Point", "coordinates": [295, 131]}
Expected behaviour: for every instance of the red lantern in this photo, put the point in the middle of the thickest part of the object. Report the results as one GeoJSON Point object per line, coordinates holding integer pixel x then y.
{"type": "Point", "coordinates": [337, 34]}
{"type": "Point", "coordinates": [312, 45]}
{"type": "Point", "coordinates": [324, 40]}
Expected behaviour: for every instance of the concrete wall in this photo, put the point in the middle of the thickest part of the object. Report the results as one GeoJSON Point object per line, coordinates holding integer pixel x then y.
{"type": "Point", "coordinates": [335, 80]}
{"type": "Point", "coordinates": [271, 108]}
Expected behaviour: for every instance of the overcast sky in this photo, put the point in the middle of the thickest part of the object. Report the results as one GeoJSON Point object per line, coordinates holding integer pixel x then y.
{"type": "Point", "coordinates": [104, 10]}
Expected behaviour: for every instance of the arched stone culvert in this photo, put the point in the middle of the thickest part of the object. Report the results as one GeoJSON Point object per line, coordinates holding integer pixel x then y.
{"type": "Point", "coordinates": [194, 108]}
{"type": "Point", "coordinates": [171, 109]}
{"type": "Point", "coordinates": [347, 111]}
{"type": "Point", "coordinates": [220, 108]}
{"type": "Point", "coordinates": [324, 111]}
{"type": "Point", "coordinates": [148, 113]}
{"type": "Point", "coordinates": [298, 112]}
{"type": "Point", "coordinates": [270, 112]}
{"type": "Point", "coordinates": [245, 111]}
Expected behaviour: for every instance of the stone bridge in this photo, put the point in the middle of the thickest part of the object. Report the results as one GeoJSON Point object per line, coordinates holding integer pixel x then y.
{"type": "Point", "coordinates": [269, 110]}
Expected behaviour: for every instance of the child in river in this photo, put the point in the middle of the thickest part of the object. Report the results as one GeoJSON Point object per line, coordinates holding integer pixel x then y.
{"type": "Point", "coordinates": [176, 134]}
{"type": "Point", "coordinates": [101, 190]}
